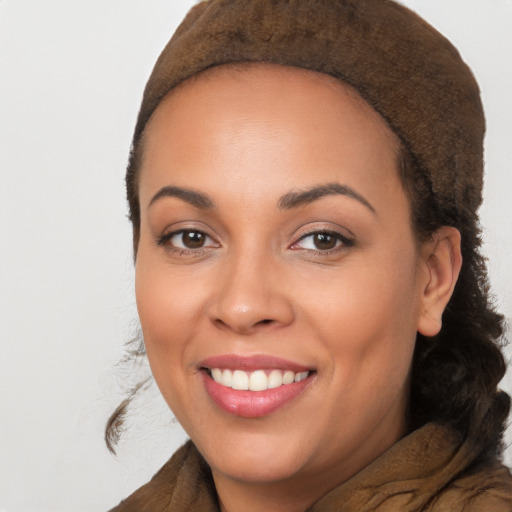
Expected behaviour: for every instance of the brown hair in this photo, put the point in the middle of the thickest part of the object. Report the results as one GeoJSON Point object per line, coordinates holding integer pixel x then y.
{"type": "Point", "coordinates": [456, 374]}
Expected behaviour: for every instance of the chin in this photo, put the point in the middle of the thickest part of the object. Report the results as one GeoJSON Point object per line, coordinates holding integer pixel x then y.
{"type": "Point", "coordinates": [256, 458]}
{"type": "Point", "coordinates": [257, 469]}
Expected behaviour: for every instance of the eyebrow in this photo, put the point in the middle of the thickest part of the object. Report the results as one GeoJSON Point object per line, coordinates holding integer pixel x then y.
{"type": "Point", "coordinates": [286, 202]}
{"type": "Point", "coordinates": [300, 198]}
{"type": "Point", "coordinates": [193, 197]}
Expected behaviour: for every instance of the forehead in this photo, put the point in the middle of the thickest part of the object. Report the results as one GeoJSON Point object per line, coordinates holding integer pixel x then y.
{"type": "Point", "coordinates": [258, 79]}
{"type": "Point", "coordinates": [256, 121]}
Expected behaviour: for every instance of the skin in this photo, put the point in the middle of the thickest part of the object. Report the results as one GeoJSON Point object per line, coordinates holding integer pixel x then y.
{"type": "Point", "coordinates": [260, 285]}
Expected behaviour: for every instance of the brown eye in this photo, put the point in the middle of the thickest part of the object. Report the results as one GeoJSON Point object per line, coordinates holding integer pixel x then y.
{"type": "Point", "coordinates": [187, 239]}
{"type": "Point", "coordinates": [193, 239]}
{"type": "Point", "coordinates": [324, 241]}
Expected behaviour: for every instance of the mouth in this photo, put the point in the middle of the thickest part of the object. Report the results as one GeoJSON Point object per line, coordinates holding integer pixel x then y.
{"type": "Point", "coordinates": [253, 387]}
{"type": "Point", "coordinates": [258, 380]}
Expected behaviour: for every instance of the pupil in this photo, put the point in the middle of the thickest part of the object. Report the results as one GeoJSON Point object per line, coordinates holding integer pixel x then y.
{"type": "Point", "coordinates": [193, 239]}
{"type": "Point", "coordinates": [323, 241]}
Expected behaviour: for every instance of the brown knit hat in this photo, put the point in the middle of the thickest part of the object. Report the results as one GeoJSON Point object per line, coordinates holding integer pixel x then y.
{"type": "Point", "coordinates": [403, 67]}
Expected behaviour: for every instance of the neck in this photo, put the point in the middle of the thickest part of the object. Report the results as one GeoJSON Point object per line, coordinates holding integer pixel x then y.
{"type": "Point", "coordinates": [301, 490]}
{"type": "Point", "coordinates": [274, 497]}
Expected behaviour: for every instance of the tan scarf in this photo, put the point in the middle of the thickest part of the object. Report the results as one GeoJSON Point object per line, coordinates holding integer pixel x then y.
{"type": "Point", "coordinates": [429, 470]}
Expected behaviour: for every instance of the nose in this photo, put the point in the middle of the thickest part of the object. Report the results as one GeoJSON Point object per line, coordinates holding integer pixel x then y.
{"type": "Point", "coordinates": [251, 295]}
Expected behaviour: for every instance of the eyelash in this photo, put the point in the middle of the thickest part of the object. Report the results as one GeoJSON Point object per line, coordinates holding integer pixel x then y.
{"type": "Point", "coordinates": [166, 238]}
{"type": "Point", "coordinates": [342, 242]}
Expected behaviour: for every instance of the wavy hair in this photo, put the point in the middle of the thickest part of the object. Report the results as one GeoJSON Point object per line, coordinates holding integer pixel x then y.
{"type": "Point", "coordinates": [456, 373]}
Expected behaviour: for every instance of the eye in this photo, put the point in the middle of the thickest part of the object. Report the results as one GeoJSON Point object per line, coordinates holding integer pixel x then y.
{"type": "Point", "coordinates": [187, 239]}
{"type": "Point", "coordinates": [322, 241]}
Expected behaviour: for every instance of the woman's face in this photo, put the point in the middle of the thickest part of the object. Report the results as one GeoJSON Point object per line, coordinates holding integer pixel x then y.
{"type": "Point", "coordinates": [276, 245]}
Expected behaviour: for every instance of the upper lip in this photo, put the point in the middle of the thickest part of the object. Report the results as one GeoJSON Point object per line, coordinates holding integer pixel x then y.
{"type": "Point", "coordinates": [252, 363]}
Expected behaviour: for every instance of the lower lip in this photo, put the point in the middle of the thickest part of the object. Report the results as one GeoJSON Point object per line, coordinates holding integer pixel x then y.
{"type": "Point", "coordinates": [252, 404]}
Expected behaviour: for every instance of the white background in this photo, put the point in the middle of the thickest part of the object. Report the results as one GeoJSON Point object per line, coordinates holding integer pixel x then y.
{"type": "Point", "coordinates": [71, 79]}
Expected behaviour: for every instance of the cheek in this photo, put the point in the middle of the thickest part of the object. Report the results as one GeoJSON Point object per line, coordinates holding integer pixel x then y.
{"type": "Point", "coordinates": [168, 313]}
{"type": "Point", "coordinates": [365, 294]}
{"type": "Point", "coordinates": [168, 307]}
{"type": "Point", "coordinates": [368, 320]}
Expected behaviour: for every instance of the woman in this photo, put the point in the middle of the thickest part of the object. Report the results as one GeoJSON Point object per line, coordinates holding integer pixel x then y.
{"type": "Point", "coordinates": [303, 189]}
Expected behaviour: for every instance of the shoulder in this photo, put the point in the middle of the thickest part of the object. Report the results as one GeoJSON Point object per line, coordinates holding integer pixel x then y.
{"type": "Point", "coordinates": [484, 488]}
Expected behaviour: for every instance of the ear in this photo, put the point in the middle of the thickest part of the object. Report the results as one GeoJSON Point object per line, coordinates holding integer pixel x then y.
{"type": "Point", "coordinates": [443, 260]}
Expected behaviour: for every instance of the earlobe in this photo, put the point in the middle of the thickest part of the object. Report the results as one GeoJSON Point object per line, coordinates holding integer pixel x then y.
{"type": "Point", "coordinates": [442, 256]}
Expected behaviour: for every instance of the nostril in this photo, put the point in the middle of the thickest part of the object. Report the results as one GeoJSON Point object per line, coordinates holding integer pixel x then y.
{"type": "Point", "coordinates": [220, 322]}
{"type": "Point", "coordinates": [266, 321]}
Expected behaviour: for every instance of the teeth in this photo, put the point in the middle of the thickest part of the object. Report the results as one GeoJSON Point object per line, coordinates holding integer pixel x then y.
{"type": "Point", "coordinates": [300, 376]}
{"type": "Point", "coordinates": [226, 379]}
{"type": "Point", "coordinates": [275, 379]}
{"type": "Point", "coordinates": [217, 374]}
{"type": "Point", "coordinates": [240, 380]}
{"type": "Point", "coordinates": [259, 380]}
{"type": "Point", "coordinates": [288, 377]}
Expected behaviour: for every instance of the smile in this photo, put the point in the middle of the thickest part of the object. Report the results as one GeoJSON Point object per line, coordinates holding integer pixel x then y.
{"type": "Point", "coordinates": [259, 380]}
{"type": "Point", "coordinates": [254, 386]}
